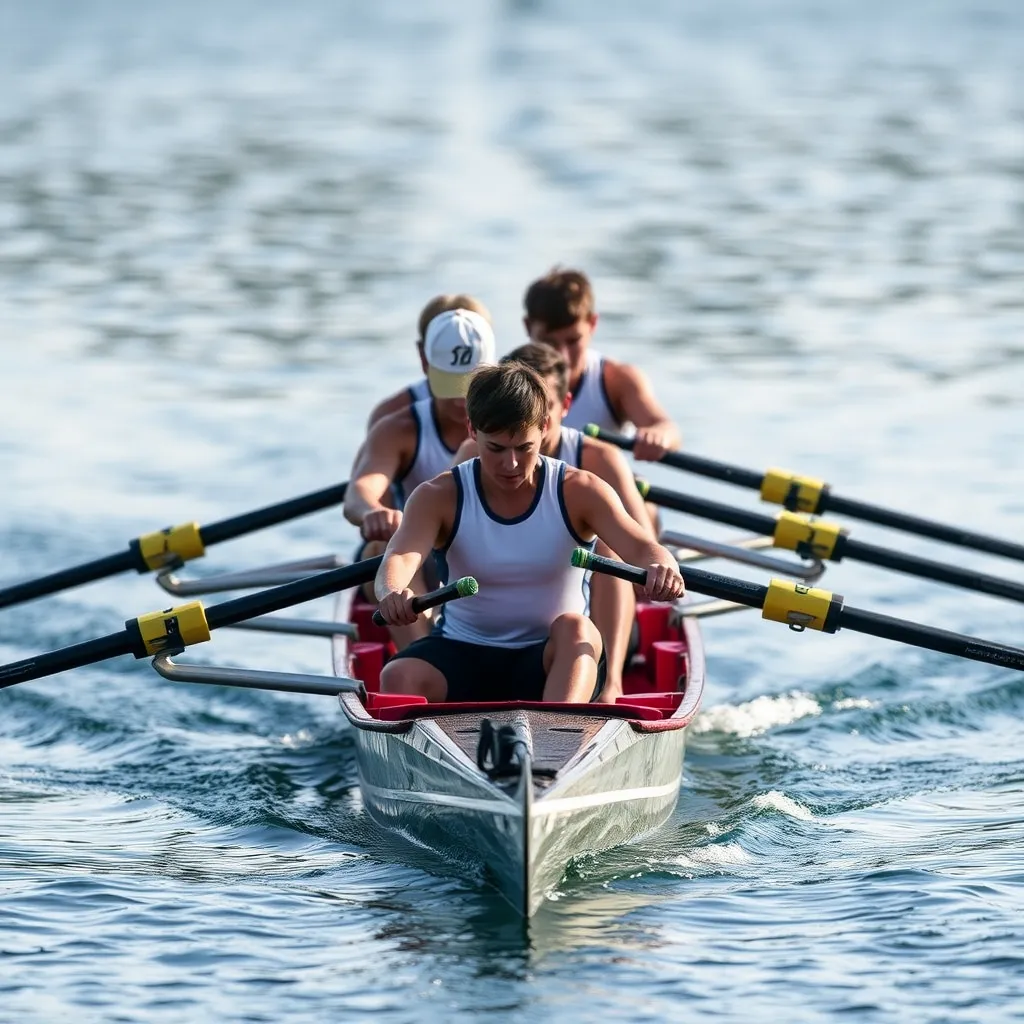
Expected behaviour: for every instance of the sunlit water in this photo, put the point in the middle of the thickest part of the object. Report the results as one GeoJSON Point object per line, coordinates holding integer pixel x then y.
{"type": "Point", "coordinates": [217, 226]}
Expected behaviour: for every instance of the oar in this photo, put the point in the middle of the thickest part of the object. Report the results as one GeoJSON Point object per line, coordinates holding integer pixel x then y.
{"type": "Point", "coordinates": [153, 551]}
{"type": "Point", "coordinates": [177, 628]}
{"type": "Point", "coordinates": [803, 607]}
{"type": "Point", "coordinates": [821, 539]}
{"type": "Point", "coordinates": [464, 587]}
{"type": "Point", "coordinates": [807, 494]}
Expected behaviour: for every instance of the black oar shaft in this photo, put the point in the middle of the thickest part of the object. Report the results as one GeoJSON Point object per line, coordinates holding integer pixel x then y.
{"type": "Point", "coordinates": [827, 501]}
{"type": "Point", "coordinates": [855, 550]}
{"type": "Point", "coordinates": [690, 463]}
{"type": "Point", "coordinates": [927, 569]}
{"type": "Point", "coordinates": [225, 614]}
{"type": "Point", "coordinates": [932, 639]}
{"type": "Point", "coordinates": [923, 527]}
{"type": "Point", "coordinates": [250, 522]}
{"type": "Point", "coordinates": [791, 599]}
{"type": "Point", "coordinates": [66, 658]}
{"type": "Point", "coordinates": [215, 533]}
{"type": "Point", "coordinates": [66, 578]}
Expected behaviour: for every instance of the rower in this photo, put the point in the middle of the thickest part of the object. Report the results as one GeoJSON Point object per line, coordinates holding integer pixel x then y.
{"type": "Point", "coordinates": [612, 601]}
{"type": "Point", "coordinates": [560, 312]}
{"type": "Point", "coordinates": [416, 443]}
{"type": "Point", "coordinates": [510, 518]}
{"type": "Point", "coordinates": [420, 390]}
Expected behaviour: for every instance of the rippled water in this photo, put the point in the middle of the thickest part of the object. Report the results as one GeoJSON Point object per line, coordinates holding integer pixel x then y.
{"type": "Point", "coordinates": [217, 226]}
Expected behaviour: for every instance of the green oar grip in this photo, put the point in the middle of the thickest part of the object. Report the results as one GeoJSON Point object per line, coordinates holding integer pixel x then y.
{"type": "Point", "coordinates": [464, 587]}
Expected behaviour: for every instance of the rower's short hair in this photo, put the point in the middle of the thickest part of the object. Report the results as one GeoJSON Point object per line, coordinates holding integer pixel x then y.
{"type": "Point", "coordinates": [547, 361]}
{"type": "Point", "coordinates": [559, 298]}
{"type": "Point", "coordinates": [443, 303]}
{"type": "Point", "coordinates": [506, 399]}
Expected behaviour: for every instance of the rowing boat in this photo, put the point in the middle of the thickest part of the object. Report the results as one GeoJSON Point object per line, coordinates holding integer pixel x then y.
{"type": "Point", "coordinates": [525, 787]}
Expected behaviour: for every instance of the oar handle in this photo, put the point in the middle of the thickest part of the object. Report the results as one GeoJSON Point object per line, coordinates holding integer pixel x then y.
{"type": "Point", "coordinates": [464, 587]}
{"type": "Point", "coordinates": [723, 587]}
{"type": "Point", "coordinates": [801, 607]}
{"type": "Point", "coordinates": [683, 460]}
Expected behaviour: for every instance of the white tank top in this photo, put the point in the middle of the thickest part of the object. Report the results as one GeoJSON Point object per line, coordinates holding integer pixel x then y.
{"type": "Point", "coordinates": [590, 400]}
{"type": "Point", "coordinates": [570, 448]}
{"type": "Point", "coordinates": [521, 564]}
{"type": "Point", "coordinates": [432, 455]}
{"type": "Point", "coordinates": [418, 392]}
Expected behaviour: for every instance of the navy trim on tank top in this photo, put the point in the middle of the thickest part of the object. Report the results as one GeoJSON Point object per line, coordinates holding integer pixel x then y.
{"type": "Point", "coordinates": [579, 450]}
{"type": "Point", "coordinates": [411, 392]}
{"type": "Point", "coordinates": [460, 500]}
{"type": "Point", "coordinates": [441, 554]}
{"type": "Point", "coordinates": [560, 488]}
{"type": "Point", "coordinates": [604, 393]}
{"type": "Point", "coordinates": [415, 452]}
{"type": "Point", "coordinates": [437, 427]}
{"type": "Point", "coordinates": [542, 473]}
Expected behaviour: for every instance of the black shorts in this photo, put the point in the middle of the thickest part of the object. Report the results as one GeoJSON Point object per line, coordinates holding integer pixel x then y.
{"type": "Point", "coordinates": [479, 672]}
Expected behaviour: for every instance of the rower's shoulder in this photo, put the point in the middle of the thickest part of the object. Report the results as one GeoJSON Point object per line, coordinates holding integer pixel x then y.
{"type": "Point", "coordinates": [387, 406]}
{"type": "Point", "coordinates": [392, 435]}
{"type": "Point", "coordinates": [617, 373]}
{"type": "Point", "coordinates": [577, 483]}
{"type": "Point", "coordinates": [438, 494]}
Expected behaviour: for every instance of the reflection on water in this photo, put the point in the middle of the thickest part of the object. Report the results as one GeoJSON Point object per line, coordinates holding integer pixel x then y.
{"type": "Point", "coordinates": [218, 224]}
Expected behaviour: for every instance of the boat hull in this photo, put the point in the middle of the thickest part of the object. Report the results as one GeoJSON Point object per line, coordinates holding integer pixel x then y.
{"type": "Point", "coordinates": [595, 778]}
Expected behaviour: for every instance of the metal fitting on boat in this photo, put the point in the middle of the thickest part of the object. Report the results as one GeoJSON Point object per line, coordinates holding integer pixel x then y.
{"type": "Point", "coordinates": [171, 630]}
{"type": "Point", "coordinates": [792, 491]}
{"type": "Point", "coordinates": [802, 607]}
{"type": "Point", "coordinates": [179, 543]}
{"type": "Point", "coordinates": [812, 539]}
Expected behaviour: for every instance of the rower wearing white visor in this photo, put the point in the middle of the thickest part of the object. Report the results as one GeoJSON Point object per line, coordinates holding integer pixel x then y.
{"type": "Point", "coordinates": [612, 601]}
{"type": "Point", "coordinates": [510, 518]}
{"type": "Point", "coordinates": [419, 390]}
{"type": "Point", "coordinates": [416, 443]}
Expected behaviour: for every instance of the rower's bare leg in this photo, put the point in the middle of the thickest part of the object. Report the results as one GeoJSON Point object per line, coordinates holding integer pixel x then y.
{"type": "Point", "coordinates": [612, 607]}
{"type": "Point", "coordinates": [401, 636]}
{"type": "Point", "coordinates": [570, 659]}
{"type": "Point", "coordinates": [414, 677]}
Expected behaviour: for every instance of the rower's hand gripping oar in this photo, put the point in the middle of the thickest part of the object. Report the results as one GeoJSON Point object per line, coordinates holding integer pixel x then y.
{"type": "Point", "coordinates": [176, 544]}
{"type": "Point", "coordinates": [464, 587]}
{"type": "Point", "coordinates": [807, 494]}
{"type": "Point", "coordinates": [188, 624]}
{"type": "Point", "coordinates": [802, 607]}
{"type": "Point", "coordinates": [829, 542]}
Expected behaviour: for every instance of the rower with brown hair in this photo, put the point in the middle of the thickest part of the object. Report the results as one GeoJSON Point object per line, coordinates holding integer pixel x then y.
{"type": "Point", "coordinates": [511, 518]}
{"type": "Point", "coordinates": [559, 311]}
{"type": "Point", "coordinates": [612, 601]}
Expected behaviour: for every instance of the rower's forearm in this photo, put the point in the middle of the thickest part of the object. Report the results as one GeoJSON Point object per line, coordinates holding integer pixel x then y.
{"type": "Point", "coordinates": [360, 501]}
{"type": "Point", "coordinates": [395, 573]}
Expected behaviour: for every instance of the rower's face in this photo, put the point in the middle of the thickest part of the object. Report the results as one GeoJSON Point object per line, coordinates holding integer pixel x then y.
{"type": "Point", "coordinates": [570, 342]}
{"type": "Point", "coordinates": [508, 460]}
